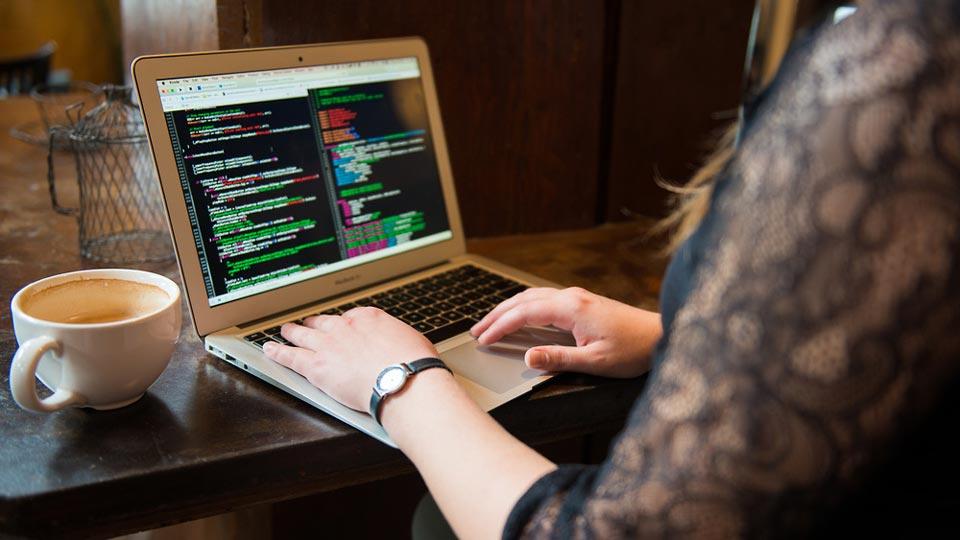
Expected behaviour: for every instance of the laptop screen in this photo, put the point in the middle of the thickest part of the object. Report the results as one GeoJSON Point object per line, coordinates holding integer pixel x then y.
{"type": "Point", "coordinates": [294, 173]}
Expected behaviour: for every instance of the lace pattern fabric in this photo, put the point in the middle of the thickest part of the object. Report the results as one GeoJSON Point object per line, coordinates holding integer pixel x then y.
{"type": "Point", "coordinates": [823, 320]}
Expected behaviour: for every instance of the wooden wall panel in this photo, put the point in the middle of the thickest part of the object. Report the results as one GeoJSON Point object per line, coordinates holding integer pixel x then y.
{"type": "Point", "coordinates": [519, 85]}
{"type": "Point", "coordinates": [240, 23]}
{"type": "Point", "coordinates": [168, 26]}
{"type": "Point", "coordinates": [679, 73]}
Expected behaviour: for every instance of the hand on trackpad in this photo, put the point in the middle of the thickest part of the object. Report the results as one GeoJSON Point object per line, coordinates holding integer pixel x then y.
{"type": "Point", "coordinates": [500, 366]}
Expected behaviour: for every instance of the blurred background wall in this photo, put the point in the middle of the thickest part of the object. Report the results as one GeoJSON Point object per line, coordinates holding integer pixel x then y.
{"type": "Point", "coordinates": [559, 114]}
{"type": "Point", "coordinates": [87, 33]}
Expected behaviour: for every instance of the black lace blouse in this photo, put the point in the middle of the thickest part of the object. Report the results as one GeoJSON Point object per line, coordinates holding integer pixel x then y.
{"type": "Point", "coordinates": [814, 318]}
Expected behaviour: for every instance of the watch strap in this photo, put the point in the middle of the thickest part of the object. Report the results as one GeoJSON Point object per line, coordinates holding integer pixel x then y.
{"type": "Point", "coordinates": [426, 363]}
{"type": "Point", "coordinates": [376, 399]}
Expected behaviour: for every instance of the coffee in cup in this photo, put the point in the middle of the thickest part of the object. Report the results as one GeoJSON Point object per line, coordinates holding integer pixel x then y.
{"type": "Point", "coordinates": [97, 338]}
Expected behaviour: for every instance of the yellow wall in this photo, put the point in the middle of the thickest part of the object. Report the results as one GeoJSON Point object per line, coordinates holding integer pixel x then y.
{"type": "Point", "coordinates": [87, 33]}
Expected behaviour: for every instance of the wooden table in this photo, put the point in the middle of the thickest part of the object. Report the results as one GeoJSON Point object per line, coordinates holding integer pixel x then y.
{"type": "Point", "coordinates": [207, 438]}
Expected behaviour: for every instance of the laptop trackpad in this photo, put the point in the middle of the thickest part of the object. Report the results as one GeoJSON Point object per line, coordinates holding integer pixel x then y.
{"type": "Point", "coordinates": [500, 367]}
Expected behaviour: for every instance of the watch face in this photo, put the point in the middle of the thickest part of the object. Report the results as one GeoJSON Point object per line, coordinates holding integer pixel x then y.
{"type": "Point", "coordinates": [391, 379]}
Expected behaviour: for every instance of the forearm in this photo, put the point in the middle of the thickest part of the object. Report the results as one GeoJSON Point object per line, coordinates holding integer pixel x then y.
{"type": "Point", "coordinates": [473, 467]}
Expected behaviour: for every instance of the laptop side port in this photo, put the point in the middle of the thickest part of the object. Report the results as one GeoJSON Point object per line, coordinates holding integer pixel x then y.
{"type": "Point", "coordinates": [226, 356]}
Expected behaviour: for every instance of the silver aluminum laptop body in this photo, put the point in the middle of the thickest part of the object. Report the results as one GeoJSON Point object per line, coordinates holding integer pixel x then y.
{"type": "Point", "coordinates": [300, 178]}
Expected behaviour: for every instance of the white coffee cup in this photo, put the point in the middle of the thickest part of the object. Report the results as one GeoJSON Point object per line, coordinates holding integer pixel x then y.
{"type": "Point", "coordinates": [97, 338]}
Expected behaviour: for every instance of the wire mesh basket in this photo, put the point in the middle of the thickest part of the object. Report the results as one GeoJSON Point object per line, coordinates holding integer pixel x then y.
{"type": "Point", "coordinates": [120, 212]}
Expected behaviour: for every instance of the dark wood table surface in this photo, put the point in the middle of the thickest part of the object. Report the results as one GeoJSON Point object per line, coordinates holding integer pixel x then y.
{"type": "Point", "coordinates": [208, 438]}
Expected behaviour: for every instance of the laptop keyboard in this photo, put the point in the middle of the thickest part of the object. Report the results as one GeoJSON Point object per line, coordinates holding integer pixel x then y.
{"type": "Point", "coordinates": [439, 306]}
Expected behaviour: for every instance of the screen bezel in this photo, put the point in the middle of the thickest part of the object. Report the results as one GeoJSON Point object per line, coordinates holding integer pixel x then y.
{"type": "Point", "coordinates": [147, 70]}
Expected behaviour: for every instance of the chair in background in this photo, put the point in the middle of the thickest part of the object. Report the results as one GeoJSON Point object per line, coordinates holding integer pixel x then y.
{"type": "Point", "coordinates": [19, 75]}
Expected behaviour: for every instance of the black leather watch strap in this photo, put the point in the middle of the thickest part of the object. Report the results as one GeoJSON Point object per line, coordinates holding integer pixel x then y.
{"type": "Point", "coordinates": [426, 363]}
{"type": "Point", "coordinates": [412, 368]}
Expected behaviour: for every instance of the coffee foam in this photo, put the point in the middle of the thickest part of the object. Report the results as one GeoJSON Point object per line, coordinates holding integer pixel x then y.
{"type": "Point", "coordinates": [93, 301]}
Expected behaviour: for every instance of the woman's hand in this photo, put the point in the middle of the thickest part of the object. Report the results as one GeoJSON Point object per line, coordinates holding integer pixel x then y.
{"type": "Point", "coordinates": [613, 339]}
{"type": "Point", "coordinates": [342, 355]}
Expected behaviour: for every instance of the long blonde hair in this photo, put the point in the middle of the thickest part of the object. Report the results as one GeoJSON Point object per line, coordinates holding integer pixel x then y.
{"type": "Point", "coordinates": [773, 28]}
{"type": "Point", "coordinates": [691, 201]}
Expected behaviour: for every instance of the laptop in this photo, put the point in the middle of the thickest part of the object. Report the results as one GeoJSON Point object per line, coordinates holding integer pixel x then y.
{"type": "Point", "coordinates": [312, 179]}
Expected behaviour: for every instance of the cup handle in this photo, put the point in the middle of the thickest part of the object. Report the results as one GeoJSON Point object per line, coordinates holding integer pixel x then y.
{"type": "Point", "coordinates": [53, 133]}
{"type": "Point", "coordinates": [23, 371]}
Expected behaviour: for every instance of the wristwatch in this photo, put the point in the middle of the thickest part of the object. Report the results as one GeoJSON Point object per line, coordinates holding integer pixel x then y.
{"type": "Point", "coordinates": [392, 379]}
